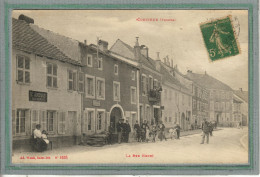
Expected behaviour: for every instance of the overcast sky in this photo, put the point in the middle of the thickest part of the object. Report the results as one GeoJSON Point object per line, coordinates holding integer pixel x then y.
{"type": "Point", "coordinates": [181, 39]}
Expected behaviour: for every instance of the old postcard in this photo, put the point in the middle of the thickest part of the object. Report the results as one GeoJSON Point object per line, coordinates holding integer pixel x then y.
{"type": "Point", "coordinates": [129, 87]}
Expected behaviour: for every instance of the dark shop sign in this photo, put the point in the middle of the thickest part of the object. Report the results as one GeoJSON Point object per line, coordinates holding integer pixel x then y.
{"type": "Point", "coordinates": [37, 96]}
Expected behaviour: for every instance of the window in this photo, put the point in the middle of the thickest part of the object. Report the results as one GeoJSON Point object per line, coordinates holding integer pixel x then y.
{"type": "Point", "coordinates": [182, 99]}
{"type": "Point", "coordinates": [23, 69]}
{"type": "Point", "coordinates": [147, 85]}
{"type": "Point", "coordinates": [90, 86]}
{"type": "Point", "coordinates": [170, 95]}
{"type": "Point", "coordinates": [100, 120]}
{"type": "Point", "coordinates": [165, 119]}
{"type": "Point", "coordinates": [155, 83]}
{"type": "Point", "coordinates": [133, 95]}
{"type": "Point", "coordinates": [116, 89]}
{"type": "Point", "coordinates": [170, 119]}
{"type": "Point", "coordinates": [194, 104]}
{"type": "Point", "coordinates": [51, 115]}
{"type": "Point", "coordinates": [100, 64]}
{"type": "Point", "coordinates": [89, 60]}
{"type": "Point", "coordinates": [81, 82]}
{"type": "Point", "coordinates": [116, 69]}
{"type": "Point", "coordinates": [90, 119]}
{"type": "Point", "coordinates": [141, 112]}
{"type": "Point", "coordinates": [100, 88]}
{"type": "Point", "coordinates": [148, 111]}
{"type": "Point", "coordinates": [20, 121]}
{"type": "Point", "coordinates": [61, 122]}
{"type": "Point", "coordinates": [150, 82]}
{"type": "Point", "coordinates": [72, 78]}
{"type": "Point", "coordinates": [52, 75]}
{"type": "Point", "coordinates": [34, 119]}
{"type": "Point", "coordinates": [133, 75]}
{"type": "Point", "coordinates": [143, 84]}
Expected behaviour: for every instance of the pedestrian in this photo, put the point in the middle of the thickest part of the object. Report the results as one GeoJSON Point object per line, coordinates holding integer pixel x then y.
{"type": "Point", "coordinates": [138, 130]}
{"type": "Point", "coordinates": [205, 129]}
{"type": "Point", "coordinates": [110, 133]}
{"type": "Point", "coordinates": [127, 130]}
{"type": "Point", "coordinates": [154, 132]}
{"type": "Point", "coordinates": [147, 134]}
{"type": "Point", "coordinates": [119, 128]}
{"type": "Point", "coordinates": [171, 132]}
{"type": "Point", "coordinates": [211, 128]}
{"type": "Point", "coordinates": [177, 129]}
{"type": "Point", "coordinates": [161, 129]}
{"type": "Point", "coordinates": [143, 132]}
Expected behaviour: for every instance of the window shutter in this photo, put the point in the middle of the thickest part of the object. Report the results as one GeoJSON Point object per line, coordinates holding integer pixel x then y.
{"type": "Point", "coordinates": [13, 122]}
{"type": "Point", "coordinates": [34, 119]}
{"type": "Point", "coordinates": [61, 122]}
{"type": "Point", "coordinates": [43, 119]}
{"type": "Point", "coordinates": [55, 122]}
{"type": "Point", "coordinates": [85, 122]}
{"type": "Point", "coordinates": [27, 122]}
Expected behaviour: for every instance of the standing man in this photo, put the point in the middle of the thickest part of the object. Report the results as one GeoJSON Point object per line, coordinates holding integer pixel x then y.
{"type": "Point", "coordinates": [110, 133]}
{"type": "Point", "coordinates": [119, 128]}
{"type": "Point", "coordinates": [177, 129]}
{"type": "Point", "coordinates": [137, 129]}
{"type": "Point", "coordinates": [205, 129]}
{"type": "Point", "coordinates": [143, 127]}
{"type": "Point", "coordinates": [127, 131]}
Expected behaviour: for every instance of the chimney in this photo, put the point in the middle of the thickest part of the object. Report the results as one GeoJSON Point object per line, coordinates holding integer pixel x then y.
{"type": "Point", "coordinates": [241, 90]}
{"type": "Point", "coordinates": [171, 63]}
{"type": "Point", "coordinates": [168, 62]}
{"type": "Point", "coordinates": [164, 60]}
{"type": "Point", "coordinates": [103, 45]}
{"type": "Point", "coordinates": [137, 50]}
{"type": "Point", "coordinates": [158, 62]}
{"type": "Point", "coordinates": [205, 72]}
{"type": "Point", "coordinates": [85, 42]}
{"type": "Point", "coordinates": [26, 19]}
{"type": "Point", "coordinates": [144, 51]}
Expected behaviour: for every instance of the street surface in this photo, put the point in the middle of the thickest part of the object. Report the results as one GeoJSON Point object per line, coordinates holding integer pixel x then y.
{"type": "Point", "coordinates": [225, 147]}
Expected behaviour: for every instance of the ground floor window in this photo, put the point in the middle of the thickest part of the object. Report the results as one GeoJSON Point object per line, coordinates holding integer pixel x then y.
{"type": "Point", "coordinates": [61, 122]}
{"type": "Point", "coordinates": [51, 115]}
{"type": "Point", "coordinates": [21, 115]}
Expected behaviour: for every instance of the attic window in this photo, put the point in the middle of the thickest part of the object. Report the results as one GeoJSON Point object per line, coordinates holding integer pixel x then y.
{"type": "Point", "coordinates": [89, 60]}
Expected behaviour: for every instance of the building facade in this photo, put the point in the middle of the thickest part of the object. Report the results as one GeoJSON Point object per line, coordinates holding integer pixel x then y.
{"type": "Point", "coordinates": [176, 97]}
{"type": "Point", "coordinates": [220, 98]}
{"type": "Point", "coordinates": [148, 79]}
{"type": "Point", "coordinates": [40, 83]}
{"type": "Point", "coordinates": [111, 89]}
{"type": "Point", "coordinates": [243, 96]}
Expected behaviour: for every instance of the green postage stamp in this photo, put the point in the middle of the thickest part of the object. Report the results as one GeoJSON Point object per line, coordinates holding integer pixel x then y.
{"type": "Point", "coordinates": [220, 38]}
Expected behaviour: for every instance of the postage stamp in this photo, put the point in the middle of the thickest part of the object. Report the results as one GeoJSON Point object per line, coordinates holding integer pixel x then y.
{"type": "Point", "coordinates": [220, 38]}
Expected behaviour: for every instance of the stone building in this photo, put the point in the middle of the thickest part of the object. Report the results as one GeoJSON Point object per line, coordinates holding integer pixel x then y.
{"type": "Point", "coordinates": [43, 91]}
{"type": "Point", "coordinates": [148, 79]}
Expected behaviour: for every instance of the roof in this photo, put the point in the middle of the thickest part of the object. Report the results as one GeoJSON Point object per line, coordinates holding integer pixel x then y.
{"type": "Point", "coordinates": [30, 38]}
{"type": "Point", "coordinates": [242, 94]}
{"type": "Point", "coordinates": [208, 81]}
{"type": "Point", "coordinates": [122, 49]}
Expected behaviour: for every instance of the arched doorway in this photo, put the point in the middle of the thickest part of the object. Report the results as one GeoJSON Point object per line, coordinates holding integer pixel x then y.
{"type": "Point", "coordinates": [183, 121]}
{"type": "Point", "coordinates": [115, 115]}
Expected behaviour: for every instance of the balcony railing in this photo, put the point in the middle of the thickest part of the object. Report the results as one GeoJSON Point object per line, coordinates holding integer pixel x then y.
{"type": "Point", "coordinates": [155, 95]}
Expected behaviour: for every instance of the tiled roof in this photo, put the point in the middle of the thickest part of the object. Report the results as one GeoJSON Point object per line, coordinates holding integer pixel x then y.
{"type": "Point", "coordinates": [25, 38]}
{"type": "Point", "coordinates": [208, 81]}
{"type": "Point", "coordinates": [242, 94]}
{"type": "Point", "coordinates": [125, 50]}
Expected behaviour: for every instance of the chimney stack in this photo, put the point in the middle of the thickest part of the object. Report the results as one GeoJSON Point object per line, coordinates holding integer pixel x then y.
{"type": "Point", "coordinates": [103, 45]}
{"type": "Point", "coordinates": [158, 62]}
{"type": "Point", "coordinates": [164, 60]}
{"type": "Point", "coordinates": [144, 51]}
{"type": "Point", "coordinates": [137, 50]}
{"type": "Point", "coordinates": [85, 42]}
{"type": "Point", "coordinates": [168, 62]}
{"type": "Point", "coordinates": [26, 19]}
{"type": "Point", "coordinates": [241, 90]}
{"type": "Point", "coordinates": [171, 63]}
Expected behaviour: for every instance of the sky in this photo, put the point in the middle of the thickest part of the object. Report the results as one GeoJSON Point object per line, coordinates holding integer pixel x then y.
{"type": "Point", "coordinates": [180, 39]}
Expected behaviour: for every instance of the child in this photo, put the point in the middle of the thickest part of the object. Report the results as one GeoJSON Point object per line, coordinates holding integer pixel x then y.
{"type": "Point", "coordinates": [171, 131]}
{"type": "Point", "coordinates": [147, 134]}
{"type": "Point", "coordinates": [44, 137]}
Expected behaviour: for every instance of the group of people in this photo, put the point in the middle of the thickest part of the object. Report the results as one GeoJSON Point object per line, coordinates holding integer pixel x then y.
{"type": "Point", "coordinates": [123, 130]}
{"type": "Point", "coordinates": [207, 129]}
{"type": "Point", "coordinates": [146, 132]}
{"type": "Point", "coordinates": [40, 139]}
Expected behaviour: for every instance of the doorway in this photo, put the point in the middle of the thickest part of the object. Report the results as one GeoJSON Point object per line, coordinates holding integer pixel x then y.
{"type": "Point", "coordinates": [115, 115]}
{"type": "Point", "coordinates": [183, 121]}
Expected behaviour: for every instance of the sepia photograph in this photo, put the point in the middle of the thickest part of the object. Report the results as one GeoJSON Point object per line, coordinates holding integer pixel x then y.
{"type": "Point", "coordinates": [129, 87]}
